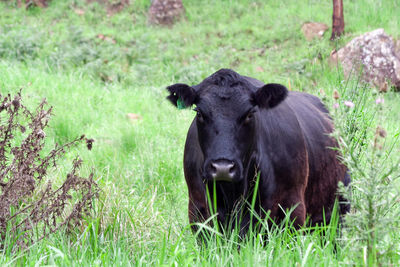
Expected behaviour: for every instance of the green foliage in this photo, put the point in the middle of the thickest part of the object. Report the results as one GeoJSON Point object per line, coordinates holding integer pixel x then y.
{"type": "Point", "coordinates": [371, 156]}
{"type": "Point", "coordinates": [94, 82]}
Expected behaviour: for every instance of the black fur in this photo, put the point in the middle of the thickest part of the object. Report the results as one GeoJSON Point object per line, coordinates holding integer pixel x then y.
{"type": "Point", "coordinates": [259, 128]}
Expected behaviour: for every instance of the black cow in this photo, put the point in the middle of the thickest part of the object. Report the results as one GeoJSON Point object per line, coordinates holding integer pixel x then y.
{"type": "Point", "coordinates": [244, 127]}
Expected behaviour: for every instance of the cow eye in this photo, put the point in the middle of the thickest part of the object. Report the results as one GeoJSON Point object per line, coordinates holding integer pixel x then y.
{"type": "Point", "coordinates": [249, 116]}
{"type": "Point", "coordinates": [199, 116]}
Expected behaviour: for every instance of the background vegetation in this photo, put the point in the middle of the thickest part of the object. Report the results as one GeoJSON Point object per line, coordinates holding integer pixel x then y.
{"type": "Point", "coordinates": [98, 71]}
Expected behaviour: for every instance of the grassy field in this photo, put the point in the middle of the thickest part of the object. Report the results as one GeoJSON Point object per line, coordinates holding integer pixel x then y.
{"type": "Point", "coordinates": [141, 216]}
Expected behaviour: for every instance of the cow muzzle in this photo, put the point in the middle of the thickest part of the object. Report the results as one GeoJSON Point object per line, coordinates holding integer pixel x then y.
{"type": "Point", "coordinates": [223, 170]}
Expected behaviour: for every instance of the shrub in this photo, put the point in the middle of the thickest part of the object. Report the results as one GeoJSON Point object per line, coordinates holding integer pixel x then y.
{"type": "Point", "coordinates": [369, 152]}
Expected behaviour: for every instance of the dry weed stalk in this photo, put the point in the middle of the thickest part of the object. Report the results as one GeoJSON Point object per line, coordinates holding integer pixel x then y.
{"type": "Point", "coordinates": [30, 207]}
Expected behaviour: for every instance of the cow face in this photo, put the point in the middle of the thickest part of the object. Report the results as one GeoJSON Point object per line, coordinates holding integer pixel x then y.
{"type": "Point", "coordinates": [227, 107]}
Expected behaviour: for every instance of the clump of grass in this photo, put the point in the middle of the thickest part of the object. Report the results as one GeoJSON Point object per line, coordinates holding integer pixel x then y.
{"type": "Point", "coordinates": [265, 239]}
{"type": "Point", "coordinates": [95, 55]}
{"type": "Point", "coordinates": [20, 44]}
{"type": "Point", "coordinates": [31, 208]}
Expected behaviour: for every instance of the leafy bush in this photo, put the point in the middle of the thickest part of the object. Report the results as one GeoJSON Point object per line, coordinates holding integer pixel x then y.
{"type": "Point", "coordinates": [369, 153]}
{"type": "Point", "coordinates": [31, 207]}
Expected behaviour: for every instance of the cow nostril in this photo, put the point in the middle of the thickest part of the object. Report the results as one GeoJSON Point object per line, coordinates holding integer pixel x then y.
{"type": "Point", "coordinates": [232, 169]}
{"type": "Point", "coordinates": [222, 170]}
{"type": "Point", "coordinates": [213, 168]}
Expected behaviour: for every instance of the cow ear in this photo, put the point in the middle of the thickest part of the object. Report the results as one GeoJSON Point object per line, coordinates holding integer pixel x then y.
{"type": "Point", "coordinates": [270, 95]}
{"type": "Point", "coordinates": [181, 95]}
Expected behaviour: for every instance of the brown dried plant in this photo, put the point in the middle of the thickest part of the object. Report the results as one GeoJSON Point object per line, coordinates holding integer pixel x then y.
{"type": "Point", "coordinates": [31, 208]}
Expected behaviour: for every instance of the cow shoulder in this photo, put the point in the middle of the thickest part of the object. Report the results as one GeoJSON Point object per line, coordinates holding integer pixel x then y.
{"type": "Point", "coordinates": [192, 159]}
{"type": "Point", "coordinates": [325, 170]}
{"type": "Point", "coordinates": [193, 156]}
{"type": "Point", "coordinates": [283, 144]}
{"type": "Point", "coordinates": [310, 99]}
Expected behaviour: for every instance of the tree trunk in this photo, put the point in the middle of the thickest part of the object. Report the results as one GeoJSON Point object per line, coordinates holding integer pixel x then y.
{"type": "Point", "coordinates": [165, 12]}
{"type": "Point", "coordinates": [337, 19]}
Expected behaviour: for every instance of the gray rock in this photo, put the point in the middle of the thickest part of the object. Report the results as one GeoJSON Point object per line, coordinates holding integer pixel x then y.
{"type": "Point", "coordinates": [313, 30]}
{"type": "Point", "coordinates": [376, 53]}
{"type": "Point", "coordinates": [165, 12]}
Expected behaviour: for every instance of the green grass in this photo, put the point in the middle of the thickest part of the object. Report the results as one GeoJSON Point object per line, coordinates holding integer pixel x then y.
{"type": "Point", "coordinates": [93, 84]}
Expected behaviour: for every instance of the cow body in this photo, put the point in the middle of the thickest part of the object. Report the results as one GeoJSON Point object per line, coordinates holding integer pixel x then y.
{"type": "Point", "coordinates": [244, 128]}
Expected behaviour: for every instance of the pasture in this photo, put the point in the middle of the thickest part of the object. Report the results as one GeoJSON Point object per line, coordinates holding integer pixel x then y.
{"type": "Point", "coordinates": [99, 72]}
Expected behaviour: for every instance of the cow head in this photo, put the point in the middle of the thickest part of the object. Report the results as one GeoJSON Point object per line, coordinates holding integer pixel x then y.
{"type": "Point", "coordinates": [227, 106]}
